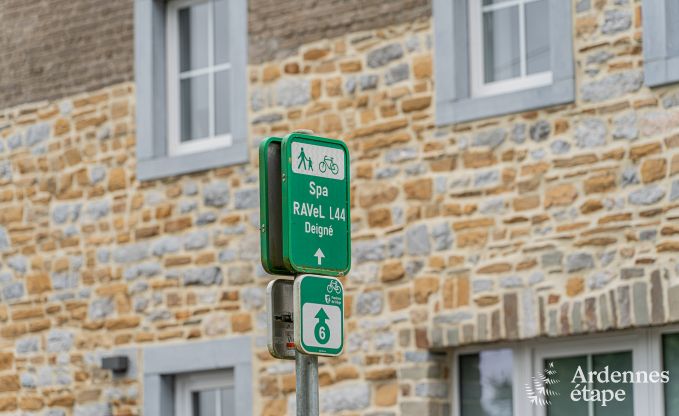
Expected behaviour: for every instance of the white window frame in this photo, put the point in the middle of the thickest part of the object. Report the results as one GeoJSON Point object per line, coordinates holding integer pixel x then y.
{"type": "Point", "coordinates": [479, 87]}
{"type": "Point", "coordinates": [647, 354]}
{"type": "Point", "coordinates": [174, 76]}
{"type": "Point", "coordinates": [187, 384]}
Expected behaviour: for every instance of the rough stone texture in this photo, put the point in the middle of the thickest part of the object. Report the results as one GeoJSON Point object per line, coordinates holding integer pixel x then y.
{"type": "Point", "coordinates": [517, 226]}
{"type": "Point", "coordinates": [590, 133]}
{"type": "Point", "coordinates": [350, 397]}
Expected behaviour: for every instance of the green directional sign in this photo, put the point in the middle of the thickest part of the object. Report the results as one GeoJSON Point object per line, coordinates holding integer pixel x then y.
{"type": "Point", "coordinates": [316, 223]}
{"type": "Point", "coordinates": [270, 206]}
{"type": "Point", "coordinates": [319, 315]}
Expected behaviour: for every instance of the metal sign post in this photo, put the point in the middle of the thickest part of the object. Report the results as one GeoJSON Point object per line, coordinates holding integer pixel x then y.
{"type": "Point", "coordinates": [305, 228]}
{"type": "Point", "coordinates": [306, 379]}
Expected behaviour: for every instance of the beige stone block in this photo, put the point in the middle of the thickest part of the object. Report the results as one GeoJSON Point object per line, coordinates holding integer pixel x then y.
{"type": "Point", "coordinates": [422, 66]}
{"type": "Point", "coordinates": [6, 360]}
{"type": "Point", "coordinates": [560, 195]}
{"type": "Point", "coordinates": [38, 283]}
{"type": "Point", "coordinates": [9, 382]}
{"type": "Point", "coordinates": [526, 202]}
{"type": "Point", "coordinates": [392, 271]}
{"type": "Point", "coordinates": [314, 54]}
{"type": "Point", "coordinates": [415, 104]}
{"type": "Point", "coordinates": [600, 183]}
{"type": "Point", "coordinates": [380, 374]}
{"type": "Point", "coordinates": [386, 394]}
{"type": "Point", "coordinates": [643, 150]}
{"type": "Point", "coordinates": [478, 159]}
{"type": "Point", "coordinates": [653, 170]}
{"type": "Point", "coordinates": [8, 403]}
{"type": "Point", "coordinates": [399, 299]}
{"type": "Point", "coordinates": [116, 179]}
{"type": "Point", "coordinates": [575, 286]}
{"type": "Point", "coordinates": [425, 287]}
{"type": "Point", "coordinates": [241, 322]}
{"type": "Point", "coordinates": [419, 189]}
{"type": "Point", "coordinates": [271, 73]}
{"type": "Point", "coordinates": [591, 205]}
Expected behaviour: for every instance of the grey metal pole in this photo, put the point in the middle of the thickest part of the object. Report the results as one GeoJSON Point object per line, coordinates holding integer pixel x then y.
{"type": "Point", "coordinates": [306, 372]}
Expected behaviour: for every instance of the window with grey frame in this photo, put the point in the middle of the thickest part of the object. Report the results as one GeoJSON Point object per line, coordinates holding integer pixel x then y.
{"type": "Point", "coordinates": [190, 69]}
{"type": "Point", "coordinates": [205, 378]}
{"type": "Point", "coordinates": [661, 41]}
{"type": "Point", "coordinates": [496, 57]}
{"type": "Point", "coordinates": [501, 381]}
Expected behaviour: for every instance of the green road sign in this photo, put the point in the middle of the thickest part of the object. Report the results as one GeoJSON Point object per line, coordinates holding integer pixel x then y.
{"type": "Point", "coordinates": [270, 206]}
{"type": "Point", "coordinates": [316, 223]}
{"type": "Point", "coordinates": [319, 315]}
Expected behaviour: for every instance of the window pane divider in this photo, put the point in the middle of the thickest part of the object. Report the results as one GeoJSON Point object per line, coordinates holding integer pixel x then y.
{"type": "Point", "coordinates": [503, 5]}
{"type": "Point", "coordinates": [211, 76]}
{"type": "Point", "coordinates": [522, 39]}
{"type": "Point", "coordinates": [203, 71]}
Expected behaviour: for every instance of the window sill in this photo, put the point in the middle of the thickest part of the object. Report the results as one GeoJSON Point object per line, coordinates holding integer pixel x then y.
{"type": "Point", "coordinates": [469, 109]}
{"type": "Point", "coordinates": [661, 72]}
{"type": "Point", "coordinates": [166, 166]}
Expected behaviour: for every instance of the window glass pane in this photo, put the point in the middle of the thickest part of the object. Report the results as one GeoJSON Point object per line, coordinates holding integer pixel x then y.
{"type": "Point", "coordinates": [228, 402]}
{"type": "Point", "coordinates": [222, 102]}
{"type": "Point", "coordinates": [672, 19]}
{"type": "Point", "coordinates": [204, 403]}
{"type": "Point", "coordinates": [193, 36]}
{"type": "Point", "coordinates": [194, 108]}
{"type": "Point", "coordinates": [561, 404]}
{"type": "Point", "coordinates": [486, 383]}
{"type": "Point", "coordinates": [537, 36]}
{"type": "Point", "coordinates": [670, 345]}
{"type": "Point", "coordinates": [620, 361]}
{"type": "Point", "coordinates": [221, 25]}
{"type": "Point", "coordinates": [501, 52]}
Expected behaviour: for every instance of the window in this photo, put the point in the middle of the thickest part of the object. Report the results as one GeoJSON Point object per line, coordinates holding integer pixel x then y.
{"type": "Point", "coordinates": [210, 378]}
{"type": "Point", "coordinates": [562, 404]}
{"type": "Point", "coordinates": [492, 382]}
{"type": "Point", "coordinates": [190, 69]}
{"type": "Point", "coordinates": [486, 383]}
{"type": "Point", "coordinates": [199, 77]}
{"type": "Point", "coordinates": [661, 41]}
{"type": "Point", "coordinates": [496, 57]}
{"type": "Point", "coordinates": [510, 45]}
{"type": "Point", "coordinates": [670, 345]}
{"type": "Point", "coordinates": [205, 394]}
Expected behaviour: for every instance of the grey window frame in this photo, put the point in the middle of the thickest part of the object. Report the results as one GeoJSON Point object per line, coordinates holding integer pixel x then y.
{"type": "Point", "coordinates": [454, 103]}
{"type": "Point", "coordinates": [659, 67]}
{"type": "Point", "coordinates": [153, 161]}
{"type": "Point", "coordinates": [162, 363]}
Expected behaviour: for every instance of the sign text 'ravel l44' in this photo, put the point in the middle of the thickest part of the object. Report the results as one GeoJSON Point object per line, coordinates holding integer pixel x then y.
{"type": "Point", "coordinates": [315, 204]}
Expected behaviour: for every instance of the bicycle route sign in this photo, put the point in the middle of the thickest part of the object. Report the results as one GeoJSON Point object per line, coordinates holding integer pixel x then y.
{"type": "Point", "coordinates": [316, 223]}
{"type": "Point", "coordinates": [319, 315]}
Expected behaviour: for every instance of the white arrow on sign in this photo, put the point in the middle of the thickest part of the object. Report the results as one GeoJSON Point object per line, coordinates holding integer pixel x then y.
{"type": "Point", "coordinates": [319, 255]}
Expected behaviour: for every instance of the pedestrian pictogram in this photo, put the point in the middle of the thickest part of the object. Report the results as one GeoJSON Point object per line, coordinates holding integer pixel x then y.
{"type": "Point", "coordinates": [319, 315]}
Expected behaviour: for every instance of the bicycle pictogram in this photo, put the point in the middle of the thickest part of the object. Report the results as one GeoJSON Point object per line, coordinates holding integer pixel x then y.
{"type": "Point", "coordinates": [328, 163]}
{"type": "Point", "coordinates": [334, 286]}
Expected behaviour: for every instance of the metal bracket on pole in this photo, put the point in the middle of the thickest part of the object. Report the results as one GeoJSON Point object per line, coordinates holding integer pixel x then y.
{"type": "Point", "coordinates": [306, 372]}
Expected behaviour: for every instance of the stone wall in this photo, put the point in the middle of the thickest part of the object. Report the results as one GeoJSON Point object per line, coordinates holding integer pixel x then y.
{"type": "Point", "coordinates": [544, 223]}
{"type": "Point", "coordinates": [51, 49]}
